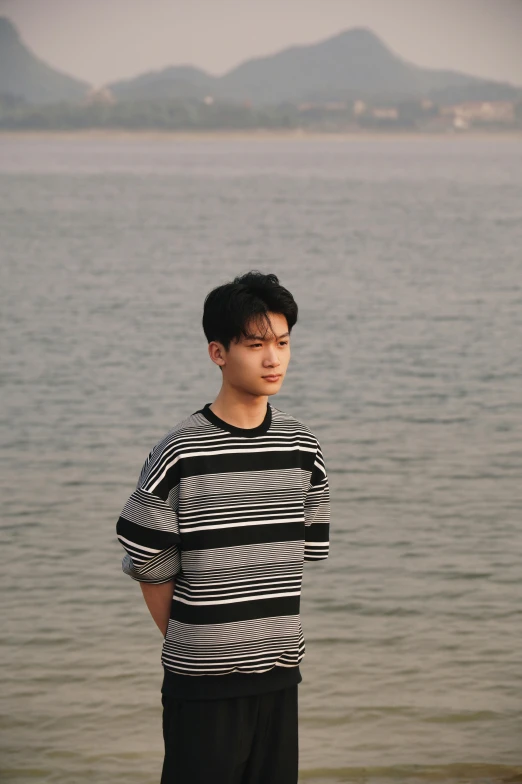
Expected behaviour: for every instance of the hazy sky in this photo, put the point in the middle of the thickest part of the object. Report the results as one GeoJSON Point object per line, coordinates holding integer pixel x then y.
{"type": "Point", "coordinates": [103, 40]}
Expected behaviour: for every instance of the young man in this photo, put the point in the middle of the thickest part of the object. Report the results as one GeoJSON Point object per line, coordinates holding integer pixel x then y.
{"type": "Point", "coordinates": [227, 507]}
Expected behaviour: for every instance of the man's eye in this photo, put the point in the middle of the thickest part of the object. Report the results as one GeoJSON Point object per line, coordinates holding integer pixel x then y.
{"type": "Point", "coordinates": [283, 342]}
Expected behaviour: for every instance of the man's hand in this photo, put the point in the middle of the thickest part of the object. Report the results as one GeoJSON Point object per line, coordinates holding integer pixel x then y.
{"type": "Point", "coordinates": [158, 599]}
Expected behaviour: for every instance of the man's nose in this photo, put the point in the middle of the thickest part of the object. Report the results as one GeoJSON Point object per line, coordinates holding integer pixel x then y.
{"type": "Point", "coordinates": [271, 357]}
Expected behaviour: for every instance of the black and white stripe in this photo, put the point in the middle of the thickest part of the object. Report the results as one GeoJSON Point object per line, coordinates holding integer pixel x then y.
{"type": "Point", "coordinates": [231, 515]}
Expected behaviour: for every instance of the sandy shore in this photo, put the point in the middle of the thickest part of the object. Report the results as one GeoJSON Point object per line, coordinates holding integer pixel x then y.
{"type": "Point", "coordinates": [255, 135]}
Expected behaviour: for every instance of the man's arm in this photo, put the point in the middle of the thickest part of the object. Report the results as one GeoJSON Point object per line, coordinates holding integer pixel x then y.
{"type": "Point", "coordinates": [317, 512]}
{"type": "Point", "coordinates": [158, 598]}
{"type": "Point", "coordinates": [148, 530]}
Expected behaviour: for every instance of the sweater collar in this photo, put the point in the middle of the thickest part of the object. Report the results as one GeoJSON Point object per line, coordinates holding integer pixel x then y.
{"type": "Point", "coordinates": [244, 432]}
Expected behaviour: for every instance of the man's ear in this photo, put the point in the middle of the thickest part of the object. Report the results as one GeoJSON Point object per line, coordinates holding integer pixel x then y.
{"type": "Point", "coordinates": [217, 353]}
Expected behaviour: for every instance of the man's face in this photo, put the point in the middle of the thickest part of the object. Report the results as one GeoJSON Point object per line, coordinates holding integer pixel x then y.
{"type": "Point", "coordinates": [257, 364]}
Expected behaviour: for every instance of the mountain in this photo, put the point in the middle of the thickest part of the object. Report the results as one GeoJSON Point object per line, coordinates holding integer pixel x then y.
{"type": "Point", "coordinates": [181, 81]}
{"type": "Point", "coordinates": [353, 64]}
{"type": "Point", "coordinates": [24, 76]}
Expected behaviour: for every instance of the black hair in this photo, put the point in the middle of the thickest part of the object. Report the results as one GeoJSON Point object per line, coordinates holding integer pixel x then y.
{"type": "Point", "coordinates": [231, 308]}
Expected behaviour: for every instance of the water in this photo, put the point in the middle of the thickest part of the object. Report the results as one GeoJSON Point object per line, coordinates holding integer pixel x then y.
{"type": "Point", "coordinates": [405, 259]}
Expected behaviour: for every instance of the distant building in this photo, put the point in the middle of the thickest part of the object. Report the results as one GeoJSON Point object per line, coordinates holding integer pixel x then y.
{"type": "Point", "coordinates": [335, 106]}
{"type": "Point", "coordinates": [460, 123]}
{"type": "Point", "coordinates": [328, 106]}
{"type": "Point", "coordinates": [465, 114]}
{"type": "Point", "coordinates": [385, 113]}
{"type": "Point", "coordinates": [100, 95]}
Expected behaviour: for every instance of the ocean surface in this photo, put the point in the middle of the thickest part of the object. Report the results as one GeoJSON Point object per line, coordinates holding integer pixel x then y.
{"type": "Point", "coordinates": [405, 257]}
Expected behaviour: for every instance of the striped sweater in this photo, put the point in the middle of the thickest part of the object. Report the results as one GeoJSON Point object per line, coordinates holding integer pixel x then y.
{"type": "Point", "coordinates": [230, 514]}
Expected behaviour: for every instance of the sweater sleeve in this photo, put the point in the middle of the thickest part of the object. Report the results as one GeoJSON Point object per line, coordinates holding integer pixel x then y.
{"type": "Point", "coordinates": [317, 512]}
{"type": "Point", "coordinates": [148, 530]}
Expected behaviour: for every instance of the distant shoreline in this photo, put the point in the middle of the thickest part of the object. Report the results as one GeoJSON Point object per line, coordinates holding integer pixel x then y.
{"type": "Point", "coordinates": [257, 135]}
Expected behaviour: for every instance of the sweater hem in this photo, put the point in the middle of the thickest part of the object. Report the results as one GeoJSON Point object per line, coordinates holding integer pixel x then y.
{"type": "Point", "coordinates": [235, 684]}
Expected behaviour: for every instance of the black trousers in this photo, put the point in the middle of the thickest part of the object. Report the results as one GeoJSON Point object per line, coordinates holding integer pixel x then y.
{"type": "Point", "coordinates": [241, 740]}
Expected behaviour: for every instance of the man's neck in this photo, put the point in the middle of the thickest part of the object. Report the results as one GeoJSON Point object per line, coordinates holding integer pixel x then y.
{"type": "Point", "coordinates": [245, 411]}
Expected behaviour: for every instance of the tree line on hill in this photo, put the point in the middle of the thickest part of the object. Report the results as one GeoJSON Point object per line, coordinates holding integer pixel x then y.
{"type": "Point", "coordinates": [210, 115]}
